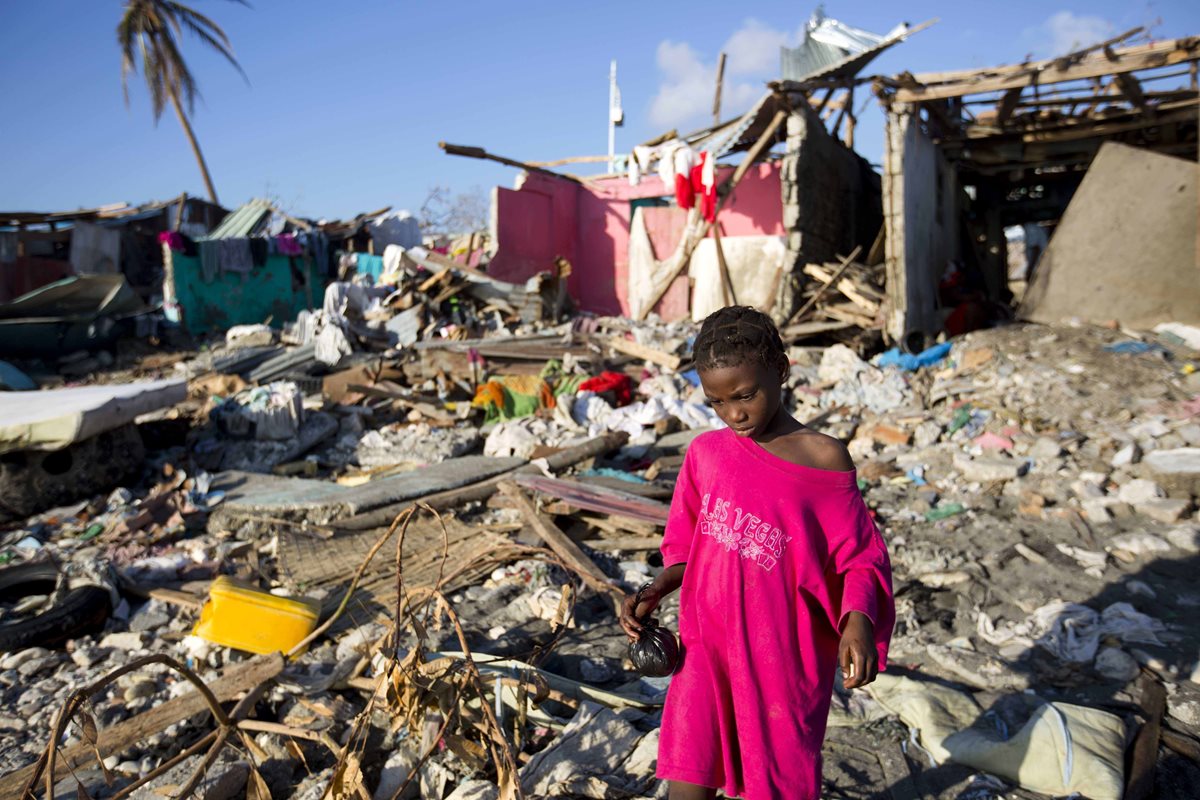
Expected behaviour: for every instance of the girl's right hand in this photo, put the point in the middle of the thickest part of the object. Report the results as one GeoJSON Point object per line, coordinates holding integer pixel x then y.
{"type": "Point", "coordinates": [633, 611]}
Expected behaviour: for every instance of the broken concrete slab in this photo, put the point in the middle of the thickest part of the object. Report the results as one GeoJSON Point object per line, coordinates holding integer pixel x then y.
{"type": "Point", "coordinates": [1133, 207]}
{"type": "Point", "coordinates": [988, 468]}
{"type": "Point", "coordinates": [321, 502]}
{"type": "Point", "coordinates": [54, 419]}
{"type": "Point", "coordinates": [1164, 509]}
{"type": "Point", "coordinates": [1177, 470]}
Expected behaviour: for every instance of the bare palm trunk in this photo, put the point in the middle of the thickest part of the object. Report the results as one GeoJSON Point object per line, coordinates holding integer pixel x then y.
{"type": "Point", "coordinates": [187, 129]}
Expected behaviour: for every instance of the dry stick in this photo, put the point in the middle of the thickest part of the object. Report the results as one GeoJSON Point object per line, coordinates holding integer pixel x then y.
{"type": "Point", "coordinates": [167, 765]}
{"type": "Point", "coordinates": [76, 698]}
{"type": "Point", "coordinates": [473, 671]}
{"type": "Point", "coordinates": [412, 773]}
{"type": "Point", "coordinates": [717, 96]}
{"type": "Point", "coordinates": [209, 758]}
{"type": "Point", "coordinates": [406, 603]}
{"type": "Point", "coordinates": [846, 262]}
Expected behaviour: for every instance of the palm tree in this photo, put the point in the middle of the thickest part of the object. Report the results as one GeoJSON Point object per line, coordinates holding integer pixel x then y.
{"type": "Point", "coordinates": [148, 32]}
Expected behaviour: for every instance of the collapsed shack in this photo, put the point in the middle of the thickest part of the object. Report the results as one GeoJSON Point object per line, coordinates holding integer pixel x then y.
{"type": "Point", "coordinates": [39, 248]}
{"type": "Point", "coordinates": [970, 153]}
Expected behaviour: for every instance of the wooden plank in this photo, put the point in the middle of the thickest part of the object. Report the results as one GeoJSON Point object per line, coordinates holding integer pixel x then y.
{"type": "Point", "coordinates": [717, 96]}
{"type": "Point", "coordinates": [114, 739]}
{"type": "Point", "coordinates": [1139, 783]}
{"type": "Point", "coordinates": [479, 152]}
{"type": "Point", "coordinates": [1008, 104]}
{"type": "Point", "coordinates": [1043, 73]}
{"type": "Point", "coordinates": [645, 352]}
{"type": "Point", "coordinates": [630, 543]}
{"type": "Point", "coordinates": [561, 544]}
{"type": "Point", "coordinates": [726, 282]}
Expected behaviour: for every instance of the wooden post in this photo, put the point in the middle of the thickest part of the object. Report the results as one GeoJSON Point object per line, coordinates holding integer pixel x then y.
{"type": "Point", "coordinates": [179, 215]}
{"type": "Point", "coordinates": [717, 96]}
{"type": "Point", "coordinates": [726, 281]}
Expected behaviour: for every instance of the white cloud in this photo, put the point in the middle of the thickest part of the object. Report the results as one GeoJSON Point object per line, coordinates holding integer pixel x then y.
{"type": "Point", "coordinates": [1066, 31]}
{"type": "Point", "coordinates": [685, 91]}
{"type": "Point", "coordinates": [753, 49]}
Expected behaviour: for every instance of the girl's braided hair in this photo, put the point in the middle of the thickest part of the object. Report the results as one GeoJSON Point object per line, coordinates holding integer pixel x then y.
{"type": "Point", "coordinates": [736, 335]}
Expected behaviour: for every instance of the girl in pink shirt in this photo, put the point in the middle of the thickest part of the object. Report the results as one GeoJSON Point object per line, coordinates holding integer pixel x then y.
{"type": "Point", "coordinates": [783, 577]}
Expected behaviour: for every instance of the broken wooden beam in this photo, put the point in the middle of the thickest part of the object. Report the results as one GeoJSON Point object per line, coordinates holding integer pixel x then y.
{"type": "Point", "coordinates": [812, 301]}
{"type": "Point", "coordinates": [1043, 73]}
{"type": "Point", "coordinates": [626, 543]}
{"type": "Point", "coordinates": [382, 517]}
{"type": "Point", "coordinates": [645, 352]}
{"type": "Point", "coordinates": [561, 544]}
{"type": "Point", "coordinates": [479, 152]}
{"type": "Point", "coordinates": [1143, 758]}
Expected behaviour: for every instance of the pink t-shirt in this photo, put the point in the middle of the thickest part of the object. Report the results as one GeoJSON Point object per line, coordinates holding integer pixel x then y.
{"type": "Point", "coordinates": [777, 554]}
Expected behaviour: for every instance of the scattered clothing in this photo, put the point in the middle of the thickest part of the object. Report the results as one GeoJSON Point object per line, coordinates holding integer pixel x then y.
{"type": "Point", "coordinates": [617, 383]}
{"type": "Point", "coordinates": [911, 363]}
{"type": "Point", "coordinates": [512, 397]}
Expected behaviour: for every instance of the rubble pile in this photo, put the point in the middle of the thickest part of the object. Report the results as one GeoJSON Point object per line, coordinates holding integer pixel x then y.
{"type": "Point", "coordinates": [449, 546]}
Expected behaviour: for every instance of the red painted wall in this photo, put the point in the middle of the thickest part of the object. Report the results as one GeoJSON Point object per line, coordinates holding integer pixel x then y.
{"type": "Point", "coordinates": [589, 225]}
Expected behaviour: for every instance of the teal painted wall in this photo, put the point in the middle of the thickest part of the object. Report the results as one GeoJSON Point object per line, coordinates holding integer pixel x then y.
{"type": "Point", "coordinates": [274, 290]}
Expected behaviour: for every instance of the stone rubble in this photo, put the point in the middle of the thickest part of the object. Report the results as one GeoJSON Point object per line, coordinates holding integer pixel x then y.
{"type": "Point", "coordinates": [1029, 471]}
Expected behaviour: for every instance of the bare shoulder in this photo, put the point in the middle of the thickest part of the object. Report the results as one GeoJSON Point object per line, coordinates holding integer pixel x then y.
{"type": "Point", "coordinates": [825, 452]}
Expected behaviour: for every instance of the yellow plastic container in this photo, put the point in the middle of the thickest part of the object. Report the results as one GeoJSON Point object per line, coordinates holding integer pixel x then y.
{"type": "Point", "coordinates": [259, 622]}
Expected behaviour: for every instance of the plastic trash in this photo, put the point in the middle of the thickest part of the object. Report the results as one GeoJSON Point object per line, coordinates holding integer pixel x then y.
{"type": "Point", "coordinates": [909, 362]}
{"type": "Point", "coordinates": [247, 619]}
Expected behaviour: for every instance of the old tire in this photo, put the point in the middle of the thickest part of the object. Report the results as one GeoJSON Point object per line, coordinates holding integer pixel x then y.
{"type": "Point", "coordinates": [83, 610]}
{"type": "Point", "coordinates": [33, 481]}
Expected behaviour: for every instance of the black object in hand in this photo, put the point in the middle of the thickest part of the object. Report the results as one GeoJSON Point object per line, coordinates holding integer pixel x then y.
{"type": "Point", "coordinates": [656, 651]}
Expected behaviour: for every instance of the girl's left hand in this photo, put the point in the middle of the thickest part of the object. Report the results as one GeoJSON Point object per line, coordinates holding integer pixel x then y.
{"type": "Point", "coordinates": [856, 654]}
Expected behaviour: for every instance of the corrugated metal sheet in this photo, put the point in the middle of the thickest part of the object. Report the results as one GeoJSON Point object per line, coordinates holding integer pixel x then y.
{"type": "Point", "coordinates": [831, 48]}
{"type": "Point", "coordinates": [243, 222]}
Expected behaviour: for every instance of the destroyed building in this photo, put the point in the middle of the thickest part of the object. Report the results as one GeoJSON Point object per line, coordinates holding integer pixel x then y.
{"type": "Point", "coordinates": [352, 516]}
{"type": "Point", "coordinates": [971, 152]}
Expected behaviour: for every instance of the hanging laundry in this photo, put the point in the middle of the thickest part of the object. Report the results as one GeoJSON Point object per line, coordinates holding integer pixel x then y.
{"type": "Point", "coordinates": [172, 239]}
{"type": "Point", "coordinates": [210, 260]}
{"type": "Point", "coordinates": [235, 255]}
{"type": "Point", "coordinates": [287, 244]}
{"type": "Point", "coordinates": [259, 248]}
{"type": "Point", "coordinates": [703, 183]}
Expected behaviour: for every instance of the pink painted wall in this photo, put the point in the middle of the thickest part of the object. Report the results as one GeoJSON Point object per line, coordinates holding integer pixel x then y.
{"type": "Point", "coordinates": [589, 225]}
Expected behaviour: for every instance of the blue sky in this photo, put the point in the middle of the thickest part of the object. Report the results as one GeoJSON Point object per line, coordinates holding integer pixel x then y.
{"type": "Point", "coordinates": [346, 101]}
